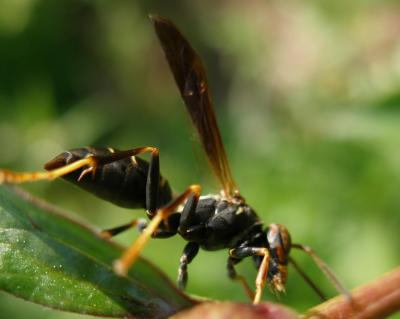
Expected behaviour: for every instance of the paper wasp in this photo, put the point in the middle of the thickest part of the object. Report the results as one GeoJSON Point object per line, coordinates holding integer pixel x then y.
{"type": "Point", "coordinates": [211, 222]}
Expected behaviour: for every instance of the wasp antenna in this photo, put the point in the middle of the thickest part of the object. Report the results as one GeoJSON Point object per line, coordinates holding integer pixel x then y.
{"type": "Point", "coordinates": [325, 269]}
{"type": "Point", "coordinates": [308, 280]}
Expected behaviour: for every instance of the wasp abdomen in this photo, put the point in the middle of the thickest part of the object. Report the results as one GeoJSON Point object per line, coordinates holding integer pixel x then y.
{"type": "Point", "coordinates": [122, 182]}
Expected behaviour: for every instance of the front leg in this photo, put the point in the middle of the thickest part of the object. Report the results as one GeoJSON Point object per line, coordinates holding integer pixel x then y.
{"type": "Point", "coordinates": [261, 279]}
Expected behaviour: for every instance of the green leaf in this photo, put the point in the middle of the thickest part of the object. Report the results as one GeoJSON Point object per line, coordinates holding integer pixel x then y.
{"type": "Point", "coordinates": [51, 260]}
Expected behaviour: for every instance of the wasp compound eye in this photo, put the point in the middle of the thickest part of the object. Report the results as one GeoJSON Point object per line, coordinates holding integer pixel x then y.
{"type": "Point", "coordinates": [285, 238]}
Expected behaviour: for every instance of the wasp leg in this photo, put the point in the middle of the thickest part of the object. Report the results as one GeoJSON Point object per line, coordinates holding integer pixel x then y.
{"type": "Point", "coordinates": [122, 264]}
{"type": "Point", "coordinates": [152, 190]}
{"type": "Point", "coordinates": [261, 278]}
{"type": "Point", "coordinates": [153, 175]}
{"type": "Point", "coordinates": [187, 217]}
{"type": "Point", "coordinates": [152, 186]}
{"type": "Point", "coordinates": [154, 168]}
{"type": "Point", "coordinates": [168, 227]}
{"type": "Point", "coordinates": [234, 276]}
{"type": "Point", "coordinates": [190, 251]}
{"type": "Point", "coordinates": [21, 177]}
{"type": "Point", "coordinates": [90, 162]}
{"type": "Point", "coordinates": [152, 183]}
{"type": "Point", "coordinates": [140, 223]}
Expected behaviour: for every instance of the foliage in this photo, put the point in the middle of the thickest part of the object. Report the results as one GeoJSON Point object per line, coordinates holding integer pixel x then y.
{"type": "Point", "coordinates": [50, 260]}
{"type": "Point", "coordinates": [307, 97]}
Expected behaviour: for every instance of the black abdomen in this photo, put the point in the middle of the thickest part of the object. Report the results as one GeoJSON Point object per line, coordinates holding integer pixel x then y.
{"type": "Point", "coordinates": [122, 182]}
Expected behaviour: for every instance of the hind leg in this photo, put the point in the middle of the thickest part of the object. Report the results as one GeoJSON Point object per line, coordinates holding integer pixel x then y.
{"type": "Point", "coordinates": [90, 163]}
{"type": "Point", "coordinates": [7, 176]}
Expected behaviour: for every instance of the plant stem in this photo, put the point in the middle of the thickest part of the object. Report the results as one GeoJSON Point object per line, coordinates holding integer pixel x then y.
{"type": "Point", "coordinates": [374, 300]}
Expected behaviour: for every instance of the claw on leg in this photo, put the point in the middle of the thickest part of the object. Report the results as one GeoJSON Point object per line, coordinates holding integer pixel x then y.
{"type": "Point", "coordinates": [90, 169]}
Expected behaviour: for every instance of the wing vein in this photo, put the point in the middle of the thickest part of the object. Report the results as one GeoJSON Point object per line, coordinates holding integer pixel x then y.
{"type": "Point", "coordinates": [191, 79]}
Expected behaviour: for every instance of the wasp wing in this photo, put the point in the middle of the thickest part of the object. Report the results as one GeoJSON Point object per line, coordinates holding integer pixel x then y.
{"type": "Point", "coordinates": [191, 79]}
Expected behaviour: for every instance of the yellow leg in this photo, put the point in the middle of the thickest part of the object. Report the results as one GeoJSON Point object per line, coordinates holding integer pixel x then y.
{"type": "Point", "coordinates": [92, 162]}
{"type": "Point", "coordinates": [7, 176]}
{"type": "Point", "coordinates": [261, 276]}
{"type": "Point", "coordinates": [128, 258]}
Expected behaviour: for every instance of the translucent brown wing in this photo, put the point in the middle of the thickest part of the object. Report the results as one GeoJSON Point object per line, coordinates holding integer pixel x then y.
{"type": "Point", "coordinates": [190, 76]}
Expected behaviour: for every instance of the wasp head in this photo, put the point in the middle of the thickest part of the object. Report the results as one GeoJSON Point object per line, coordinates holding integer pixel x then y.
{"type": "Point", "coordinates": [279, 244]}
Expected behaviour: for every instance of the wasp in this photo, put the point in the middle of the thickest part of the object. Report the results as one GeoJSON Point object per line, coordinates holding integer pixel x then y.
{"type": "Point", "coordinates": [211, 222]}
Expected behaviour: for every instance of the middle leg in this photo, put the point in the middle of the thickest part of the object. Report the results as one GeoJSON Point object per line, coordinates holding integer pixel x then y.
{"type": "Point", "coordinates": [190, 251]}
{"type": "Point", "coordinates": [140, 224]}
{"type": "Point", "coordinates": [122, 264]}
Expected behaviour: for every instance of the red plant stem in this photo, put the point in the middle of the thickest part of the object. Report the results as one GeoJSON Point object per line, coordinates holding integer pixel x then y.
{"type": "Point", "coordinates": [374, 300]}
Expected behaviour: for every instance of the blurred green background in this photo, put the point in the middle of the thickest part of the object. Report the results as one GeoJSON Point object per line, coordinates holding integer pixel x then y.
{"type": "Point", "coordinates": [308, 100]}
